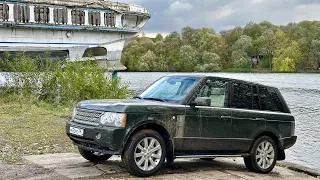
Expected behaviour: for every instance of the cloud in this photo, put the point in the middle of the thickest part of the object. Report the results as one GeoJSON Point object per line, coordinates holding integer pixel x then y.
{"type": "Point", "coordinates": [173, 15]}
{"type": "Point", "coordinates": [220, 13]}
{"type": "Point", "coordinates": [257, 1]}
{"type": "Point", "coordinates": [307, 12]}
{"type": "Point", "coordinates": [179, 7]}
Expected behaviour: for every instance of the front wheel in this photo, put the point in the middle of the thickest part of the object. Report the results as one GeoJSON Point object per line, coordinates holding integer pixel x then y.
{"type": "Point", "coordinates": [144, 154]}
{"type": "Point", "coordinates": [263, 155]}
{"type": "Point", "coordinates": [93, 156]}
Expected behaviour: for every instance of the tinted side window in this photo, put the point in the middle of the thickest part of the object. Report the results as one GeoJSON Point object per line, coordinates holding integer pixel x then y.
{"type": "Point", "coordinates": [255, 98]}
{"type": "Point", "coordinates": [216, 90]}
{"type": "Point", "coordinates": [270, 100]}
{"type": "Point", "coordinates": [242, 96]}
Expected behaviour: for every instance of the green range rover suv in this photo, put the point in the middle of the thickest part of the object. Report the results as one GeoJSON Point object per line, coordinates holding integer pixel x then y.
{"type": "Point", "coordinates": [186, 116]}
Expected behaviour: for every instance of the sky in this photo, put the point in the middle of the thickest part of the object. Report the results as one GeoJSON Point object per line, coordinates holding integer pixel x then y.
{"type": "Point", "coordinates": [173, 15]}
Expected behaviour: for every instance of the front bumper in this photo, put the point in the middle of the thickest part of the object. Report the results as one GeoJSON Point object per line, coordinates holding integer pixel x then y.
{"type": "Point", "coordinates": [288, 142]}
{"type": "Point", "coordinates": [111, 140]}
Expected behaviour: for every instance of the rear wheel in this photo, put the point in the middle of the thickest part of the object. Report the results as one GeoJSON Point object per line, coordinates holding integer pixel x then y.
{"type": "Point", "coordinates": [145, 153]}
{"type": "Point", "coordinates": [93, 156]}
{"type": "Point", "coordinates": [263, 155]}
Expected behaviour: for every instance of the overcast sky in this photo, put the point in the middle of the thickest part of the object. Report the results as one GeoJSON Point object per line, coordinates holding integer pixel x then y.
{"type": "Point", "coordinates": [172, 15]}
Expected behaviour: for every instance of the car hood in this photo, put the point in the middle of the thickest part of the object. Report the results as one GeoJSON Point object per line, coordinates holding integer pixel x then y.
{"type": "Point", "coordinates": [126, 105]}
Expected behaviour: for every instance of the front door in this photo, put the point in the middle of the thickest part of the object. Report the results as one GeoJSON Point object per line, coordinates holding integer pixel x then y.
{"type": "Point", "coordinates": [216, 118]}
{"type": "Point", "coordinates": [206, 129]}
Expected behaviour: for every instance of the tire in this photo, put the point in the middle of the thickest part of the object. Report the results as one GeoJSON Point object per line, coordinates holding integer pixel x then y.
{"type": "Point", "coordinates": [93, 156]}
{"type": "Point", "coordinates": [263, 155]}
{"type": "Point", "coordinates": [144, 144]}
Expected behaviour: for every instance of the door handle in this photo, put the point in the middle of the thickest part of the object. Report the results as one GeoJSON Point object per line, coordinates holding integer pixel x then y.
{"type": "Point", "coordinates": [260, 119]}
{"type": "Point", "coordinates": [226, 117]}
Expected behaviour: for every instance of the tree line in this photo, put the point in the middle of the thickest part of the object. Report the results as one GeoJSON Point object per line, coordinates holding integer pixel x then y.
{"type": "Point", "coordinates": [263, 45]}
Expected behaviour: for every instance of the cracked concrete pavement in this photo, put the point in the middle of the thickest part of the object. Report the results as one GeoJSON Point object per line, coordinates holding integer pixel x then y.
{"type": "Point", "coordinates": [73, 166]}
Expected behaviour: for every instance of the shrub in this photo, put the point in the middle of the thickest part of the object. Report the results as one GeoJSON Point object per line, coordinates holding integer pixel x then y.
{"type": "Point", "coordinates": [47, 81]}
{"type": "Point", "coordinates": [80, 81]}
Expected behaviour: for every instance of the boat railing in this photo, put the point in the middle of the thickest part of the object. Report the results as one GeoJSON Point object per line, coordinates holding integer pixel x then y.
{"type": "Point", "coordinates": [55, 15]}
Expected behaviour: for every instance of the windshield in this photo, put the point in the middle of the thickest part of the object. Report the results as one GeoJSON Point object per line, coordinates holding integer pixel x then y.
{"type": "Point", "coordinates": [172, 88]}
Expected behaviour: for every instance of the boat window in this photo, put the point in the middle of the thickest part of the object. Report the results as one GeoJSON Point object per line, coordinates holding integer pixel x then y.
{"type": "Point", "coordinates": [60, 15]}
{"type": "Point", "coordinates": [94, 18]}
{"type": "Point", "coordinates": [21, 13]}
{"type": "Point", "coordinates": [129, 21]}
{"type": "Point", "coordinates": [77, 17]}
{"type": "Point", "coordinates": [4, 12]}
{"type": "Point", "coordinates": [109, 19]}
{"type": "Point", "coordinates": [41, 14]}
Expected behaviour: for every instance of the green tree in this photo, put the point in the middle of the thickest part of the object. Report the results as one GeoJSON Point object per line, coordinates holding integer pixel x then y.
{"type": "Point", "coordinates": [189, 57]}
{"type": "Point", "coordinates": [244, 43]}
{"type": "Point", "coordinates": [210, 63]}
{"type": "Point", "coordinates": [173, 44]}
{"type": "Point", "coordinates": [147, 61]}
{"type": "Point", "coordinates": [159, 37]}
{"type": "Point", "coordinates": [287, 54]}
{"type": "Point", "coordinates": [162, 63]}
{"type": "Point", "coordinates": [266, 45]}
{"type": "Point", "coordinates": [315, 54]}
{"type": "Point", "coordinates": [252, 30]}
{"type": "Point", "coordinates": [231, 36]}
{"type": "Point", "coordinates": [240, 59]}
{"type": "Point", "coordinates": [241, 50]}
{"type": "Point", "coordinates": [134, 51]}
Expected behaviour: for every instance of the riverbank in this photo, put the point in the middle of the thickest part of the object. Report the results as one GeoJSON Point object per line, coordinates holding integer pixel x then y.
{"type": "Point", "coordinates": [245, 70]}
{"type": "Point", "coordinates": [299, 168]}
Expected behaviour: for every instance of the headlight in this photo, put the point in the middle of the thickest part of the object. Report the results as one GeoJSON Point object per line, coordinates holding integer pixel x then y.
{"type": "Point", "coordinates": [113, 119]}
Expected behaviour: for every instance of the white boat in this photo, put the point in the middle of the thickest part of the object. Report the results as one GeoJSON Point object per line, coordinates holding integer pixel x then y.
{"type": "Point", "coordinates": [76, 29]}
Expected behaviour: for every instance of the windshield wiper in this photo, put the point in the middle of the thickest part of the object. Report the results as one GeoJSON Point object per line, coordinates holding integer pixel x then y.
{"type": "Point", "coordinates": [137, 97]}
{"type": "Point", "coordinates": [155, 99]}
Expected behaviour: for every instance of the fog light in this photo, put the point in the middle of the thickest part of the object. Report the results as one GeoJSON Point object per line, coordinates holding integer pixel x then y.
{"type": "Point", "coordinates": [98, 136]}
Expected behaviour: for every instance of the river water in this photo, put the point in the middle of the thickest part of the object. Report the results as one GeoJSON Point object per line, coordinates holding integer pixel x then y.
{"type": "Point", "coordinates": [301, 92]}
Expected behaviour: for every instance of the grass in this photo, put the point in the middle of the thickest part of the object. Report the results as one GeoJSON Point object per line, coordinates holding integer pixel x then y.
{"type": "Point", "coordinates": [28, 127]}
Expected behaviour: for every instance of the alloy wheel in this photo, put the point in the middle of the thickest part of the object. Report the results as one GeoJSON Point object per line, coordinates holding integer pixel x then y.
{"type": "Point", "coordinates": [148, 153]}
{"type": "Point", "coordinates": [265, 155]}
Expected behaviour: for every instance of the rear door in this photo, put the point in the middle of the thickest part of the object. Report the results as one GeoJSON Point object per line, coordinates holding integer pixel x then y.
{"type": "Point", "coordinates": [247, 119]}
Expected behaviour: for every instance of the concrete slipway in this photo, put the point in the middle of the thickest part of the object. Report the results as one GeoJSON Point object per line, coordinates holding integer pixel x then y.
{"type": "Point", "coordinates": [72, 166]}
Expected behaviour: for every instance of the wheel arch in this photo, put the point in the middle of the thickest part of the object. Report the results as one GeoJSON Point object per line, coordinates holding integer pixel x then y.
{"type": "Point", "coordinates": [273, 136]}
{"type": "Point", "coordinates": [156, 127]}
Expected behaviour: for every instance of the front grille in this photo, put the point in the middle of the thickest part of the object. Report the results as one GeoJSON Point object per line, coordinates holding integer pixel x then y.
{"type": "Point", "coordinates": [87, 117]}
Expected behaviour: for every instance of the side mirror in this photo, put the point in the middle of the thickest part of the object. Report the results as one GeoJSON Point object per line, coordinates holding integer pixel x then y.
{"type": "Point", "coordinates": [201, 101]}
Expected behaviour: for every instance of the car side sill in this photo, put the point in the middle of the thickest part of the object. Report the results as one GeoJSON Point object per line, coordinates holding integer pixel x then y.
{"type": "Point", "coordinates": [211, 156]}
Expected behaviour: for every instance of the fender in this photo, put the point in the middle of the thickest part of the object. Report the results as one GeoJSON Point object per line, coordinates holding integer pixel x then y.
{"type": "Point", "coordinates": [274, 133]}
{"type": "Point", "coordinates": [145, 123]}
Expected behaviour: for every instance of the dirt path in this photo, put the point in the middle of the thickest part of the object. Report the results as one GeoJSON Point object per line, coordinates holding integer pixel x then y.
{"type": "Point", "coordinates": [72, 166]}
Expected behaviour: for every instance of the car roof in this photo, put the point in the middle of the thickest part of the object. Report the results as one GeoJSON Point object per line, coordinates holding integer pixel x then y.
{"type": "Point", "coordinates": [219, 77]}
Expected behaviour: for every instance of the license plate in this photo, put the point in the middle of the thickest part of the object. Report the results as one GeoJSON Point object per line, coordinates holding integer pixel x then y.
{"type": "Point", "coordinates": [76, 131]}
